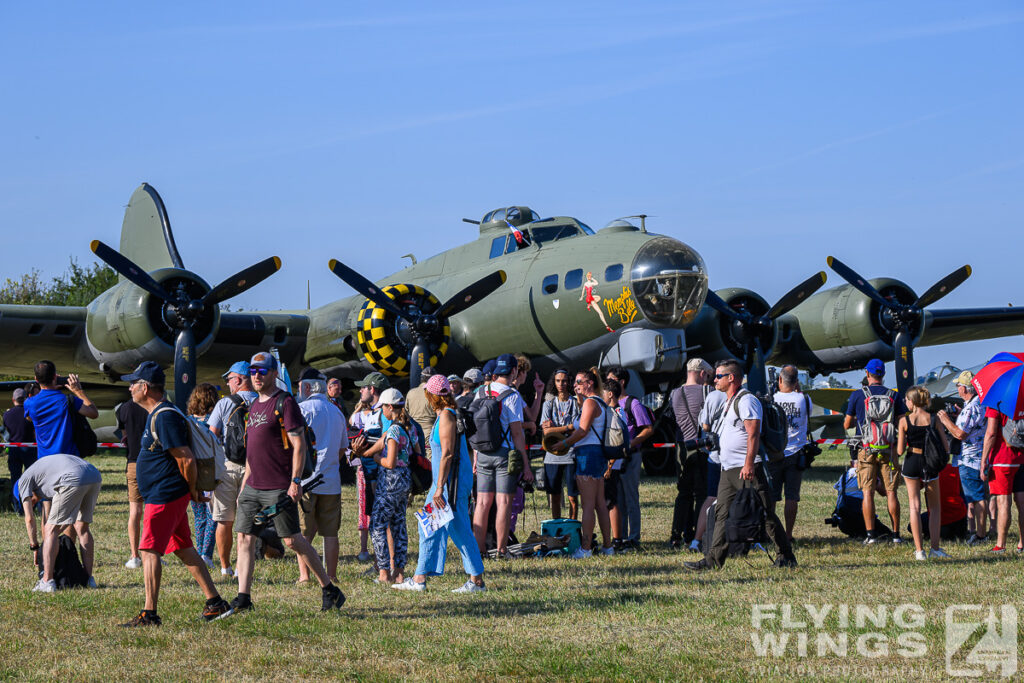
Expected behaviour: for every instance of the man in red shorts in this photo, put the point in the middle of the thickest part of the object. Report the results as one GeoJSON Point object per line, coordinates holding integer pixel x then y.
{"type": "Point", "coordinates": [166, 474]}
{"type": "Point", "coordinates": [1000, 465]}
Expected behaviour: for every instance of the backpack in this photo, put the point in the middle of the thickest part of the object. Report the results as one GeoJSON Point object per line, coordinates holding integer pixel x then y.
{"type": "Point", "coordinates": [774, 426]}
{"type": "Point", "coordinates": [614, 439]}
{"type": "Point", "coordinates": [234, 430]}
{"type": "Point", "coordinates": [488, 434]}
{"type": "Point", "coordinates": [1013, 434]}
{"type": "Point", "coordinates": [82, 434]}
{"type": "Point", "coordinates": [878, 432]}
{"type": "Point", "coordinates": [936, 457]}
{"type": "Point", "coordinates": [208, 452]}
{"type": "Point", "coordinates": [309, 464]}
{"type": "Point", "coordinates": [68, 571]}
{"type": "Point", "coordinates": [734, 549]}
{"type": "Point", "coordinates": [747, 516]}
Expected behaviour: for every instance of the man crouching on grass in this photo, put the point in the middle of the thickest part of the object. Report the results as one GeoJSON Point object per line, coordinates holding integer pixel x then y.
{"type": "Point", "coordinates": [166, 472]}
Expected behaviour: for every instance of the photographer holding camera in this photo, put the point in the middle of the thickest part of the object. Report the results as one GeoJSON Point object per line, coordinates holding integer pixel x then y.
{"type": "Point", "coordinates": [788, 473]}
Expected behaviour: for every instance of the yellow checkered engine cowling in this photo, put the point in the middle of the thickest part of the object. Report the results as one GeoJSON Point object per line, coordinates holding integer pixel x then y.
{"type": "Point", "coordinates": [377, 330]}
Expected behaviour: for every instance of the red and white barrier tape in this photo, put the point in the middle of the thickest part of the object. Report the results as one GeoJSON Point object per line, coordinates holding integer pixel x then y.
{"type": "Point", "coordinates": [19, 444]}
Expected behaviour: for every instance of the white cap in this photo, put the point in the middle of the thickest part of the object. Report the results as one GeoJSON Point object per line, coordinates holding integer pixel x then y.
{"type": "Point", "coordinates": [698, 364]}
{"type": "Point", "coordinates": [392, 397]}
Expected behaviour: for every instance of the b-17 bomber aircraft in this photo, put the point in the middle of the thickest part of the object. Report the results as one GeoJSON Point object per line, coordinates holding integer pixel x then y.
{"type": "Point", "coordinates": [552, 288]}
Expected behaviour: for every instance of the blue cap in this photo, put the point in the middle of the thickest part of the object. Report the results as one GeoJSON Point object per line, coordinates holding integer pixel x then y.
{"type": "Point", "coordinates": [148, 371]}
{"type": "Point", "coordinates": [875, 367]}
{"type": "Point", "coordinates": [263, 360]}
{"type": "Point", "coordinates": [489, 367]}
{"type": "Point", "coordinates": [505, 364]}
{"type": "Point", "coordinates": [239, 368]}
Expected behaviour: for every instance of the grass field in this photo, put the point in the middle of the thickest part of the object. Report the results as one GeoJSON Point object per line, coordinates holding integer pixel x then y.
{"type": "Point", "coordinates": [625, 617]}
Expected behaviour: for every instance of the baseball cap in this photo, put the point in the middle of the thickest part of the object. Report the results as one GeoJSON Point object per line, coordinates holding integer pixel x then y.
{"type": "Point", "coordinates": [18, 395]}
{"type": "Point", "coordinates": [504, 364]}
{"type": "Point", "coordinates": [697, 365]}
{"type": "Point", "coordinates": [438, 385]}
{"type": "Point", "coordinates": [964, 378]}
{"type": "Point", "coordinates": [392, 397]}
{"type": "Point", "coordinates": [473, 375]}
{"type": "Point", "coordinates": [427, 372]}
{"type": "Point", "coordinates": [148, 371]}
{"type": "Point", "coordinates": [375, 380]}
{"type": "Point", "coordinates": [875, 367]}
{"type": "Point", "coordinates": [239, 368]}
{"type": "Point", "coordinates": [489, 367]}
{"type": "Point", "coordinates": [312, 373]}
{"type": "Point", "coordinates": [454, 378]}
{"type": "Point", "coordinates": [263, 360]}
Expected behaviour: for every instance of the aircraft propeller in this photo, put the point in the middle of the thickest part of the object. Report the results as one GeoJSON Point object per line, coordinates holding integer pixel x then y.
{"type": "Point", "coordinates": [422, 325]}
{"type": "Point", "coordinates": [904, 320]}
{"type": "Point", "coordinates": [182, 310]}
{"type": "Point", "coordinates": [757, 331]}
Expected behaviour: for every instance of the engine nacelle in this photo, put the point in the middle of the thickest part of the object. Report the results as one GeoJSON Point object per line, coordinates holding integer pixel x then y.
{"type": "Point", "coordinates": [126, 324]}
{"type": "Point", "coordinates": [716, 332]}
{"type": "Point", "coordinates": [840, 328]}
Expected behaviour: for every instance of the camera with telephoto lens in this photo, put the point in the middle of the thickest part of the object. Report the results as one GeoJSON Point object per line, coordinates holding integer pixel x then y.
{"type": "Point", "coordinates": [705, 442]}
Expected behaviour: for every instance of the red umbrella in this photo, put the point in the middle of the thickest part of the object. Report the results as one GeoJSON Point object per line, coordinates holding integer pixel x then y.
{"type": "Point", "coordinates": [999, 384]}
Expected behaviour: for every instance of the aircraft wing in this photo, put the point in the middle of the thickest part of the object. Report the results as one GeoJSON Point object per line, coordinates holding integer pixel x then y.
{"type": "Point", "coordinates": [31, 333]}
{"type": "Point", "coordinates": [832, 399]}
{"type": "Point", "coordinates": [950, 325]}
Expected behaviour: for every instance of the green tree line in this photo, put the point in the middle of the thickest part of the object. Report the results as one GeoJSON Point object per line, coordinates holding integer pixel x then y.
{"type": "Point", "coordinates": [76, 286]}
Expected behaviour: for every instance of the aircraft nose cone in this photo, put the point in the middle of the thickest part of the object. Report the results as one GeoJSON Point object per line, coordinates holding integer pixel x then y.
{"type": "Point", "coordinates": [669, 281]}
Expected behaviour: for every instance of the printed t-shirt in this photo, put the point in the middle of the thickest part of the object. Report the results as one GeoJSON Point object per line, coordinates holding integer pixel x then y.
{"type": "Point", "coordinates": [160, 480]}
{"type": "Point", "coordinates": [797, 408]}
{"type": "Point", "coordinates": [401, 438]}
{"type": "Point", "coordinates": [269, 461]}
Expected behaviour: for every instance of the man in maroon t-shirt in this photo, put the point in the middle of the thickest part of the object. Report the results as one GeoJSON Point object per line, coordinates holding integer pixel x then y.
{"type": "Point", "coordinates": [274, 455]}
{"type": "Point", "coordinates": [1001, 466]}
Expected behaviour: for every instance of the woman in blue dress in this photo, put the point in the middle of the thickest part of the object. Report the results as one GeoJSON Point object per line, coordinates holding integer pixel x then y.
{"type": "Point", "coordinates": [452, 470]}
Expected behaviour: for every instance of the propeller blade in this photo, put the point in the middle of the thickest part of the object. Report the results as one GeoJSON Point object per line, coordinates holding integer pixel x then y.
{"type": "Point", "coordinates": [472, 294]}
{"type": "Point", "coordinates": [132, 272]}
{"type": "Point", "coordinates": [418, 358]}
{"type": "Point", "coordinates": [757, 374]}
{"type": "Point", "coordinates": [718, 303]}
{"type": "Point", "coordinates": [943, 287]}
{"type": "Point", "coordinates": [184, 366]}
{"type": "Point", "coordinates": [242, 280]}
{"type": "Point", "coordinates": [905, 376]}
{"type": "Point", "coordinates": [859, 283]}
{"type": "Point", "coordinates": [366, 288]}
{"type": "Point", "coordinates": [797, 295]}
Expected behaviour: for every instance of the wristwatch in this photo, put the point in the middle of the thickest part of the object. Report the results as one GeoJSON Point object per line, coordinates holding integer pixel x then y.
{"type": "Point", "coordinates": [296, 480]}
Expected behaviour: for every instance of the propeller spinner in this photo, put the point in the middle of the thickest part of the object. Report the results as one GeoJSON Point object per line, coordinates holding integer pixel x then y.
{"type": "Point", "coordinates": [903, 320]}
{"type": "Point", "coordinates": [181, 310]}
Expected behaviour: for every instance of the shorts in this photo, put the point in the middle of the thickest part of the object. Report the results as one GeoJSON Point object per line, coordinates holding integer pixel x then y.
{"type": "Point", "coordinates": [133, 485]}
{"type": "Point", "coordinates": [974, 489]}
{"type": "Point", "coordinates": [165, 526]}
{"type": "Point", "coordinates": [714, 475]}
{"type": "Point", "coordinates": [251, 501]}
{"type": "Point", "coordinates": [1003, 479]}
{"type": "Point", "coordinates": [868, 469]}
{"type": "Point", "coordinates": [614, 494]}
{"type": "Point", "coordinates": [225, 496]}
{"type": "Point", "coordinates": [492, 474]}
{"type": "Point", "coordinates": [590, 461]}
{"type": "Point", "coordinates": [72, 504]}
{"type": "Point", "coordinates": [785, 474]}
{"type": "Point", "coordinates": [321, 513]}
{"type": "Point", "coordinates": [556, 475]}
{"type": "Point", "coordinates": [1018, 481]}
{"type": "Point", "coordinates": [914, 468]}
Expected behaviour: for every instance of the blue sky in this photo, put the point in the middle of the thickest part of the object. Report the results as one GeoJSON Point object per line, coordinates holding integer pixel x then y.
{"type": "Point", "coordinates": [766, 135]}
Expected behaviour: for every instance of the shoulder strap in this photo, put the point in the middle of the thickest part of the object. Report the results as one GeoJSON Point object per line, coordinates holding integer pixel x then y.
{"type": "Point", "coordinates": [152, 422]}
{"type": "Point", "coordinates": [239, 402]}
{"type": "Point", "coordinates": [689, 413]}
{"type": "Point", "coordinates": [867, 392]}
{"type": "Point", "coordinates": [736, 401]}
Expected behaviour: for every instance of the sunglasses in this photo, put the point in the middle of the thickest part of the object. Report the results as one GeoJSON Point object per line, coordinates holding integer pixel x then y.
{"type": "Point", "coordinates": [582, 381]}
{"type": "Point", "coordinates": [258, 371]}
{"type": "Point", "coordinates": [720, 375]}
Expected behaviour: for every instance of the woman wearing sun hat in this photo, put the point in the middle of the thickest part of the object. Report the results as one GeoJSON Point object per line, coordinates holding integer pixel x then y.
{"type": "Point", "coordinates": [452, 483]}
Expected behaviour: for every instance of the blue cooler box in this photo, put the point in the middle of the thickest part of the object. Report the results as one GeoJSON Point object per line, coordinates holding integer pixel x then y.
{"type": "Point", "coordinates": [562, 527]}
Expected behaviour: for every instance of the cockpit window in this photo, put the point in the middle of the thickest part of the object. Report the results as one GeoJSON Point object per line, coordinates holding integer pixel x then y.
{"type": "Point", "coordinates": [498, 246]}
{"type": "Point", "coordinates": [552, 233]}
{"type": "Point", "coordinates": [669, 281]}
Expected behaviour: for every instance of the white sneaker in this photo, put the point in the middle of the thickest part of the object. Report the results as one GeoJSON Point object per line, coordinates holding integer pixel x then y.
{"type": "Point", "coordinates": [228, 572]}
{"type": "Point", "coordinates": [133, 563]}
{"type": "Point", "coordinates": [920, 555]}
{"type": "Point", "coordinates": [45, 586]}
{"type": "Point", "coordinates": [938, 553]}
{"type": "Point", "coordinates": [363, 556]}
{"type": "Point", "coordinates": [610, 550]}
{"type": "Point", "coordinates": [409, 585]}
{"type": "Point", "coordinates": [582, 554]}
{"type": "Point", "coordinates": [470, 587]}
{"type": "Point", "coordinates": [91, 583]}
{"type": "Point", "coordinates": [208, 560]}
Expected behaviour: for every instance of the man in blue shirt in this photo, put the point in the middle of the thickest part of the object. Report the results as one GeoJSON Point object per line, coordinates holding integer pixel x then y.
{"type": "Point", "coordinates": [50, 411]}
